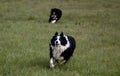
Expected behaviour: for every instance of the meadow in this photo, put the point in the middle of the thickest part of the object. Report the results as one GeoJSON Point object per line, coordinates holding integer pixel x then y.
{"type": "Point", "coordinates": [25, 34]}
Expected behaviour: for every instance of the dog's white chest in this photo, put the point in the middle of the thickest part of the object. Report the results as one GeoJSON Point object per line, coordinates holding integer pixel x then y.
{"type": "Point", "coordinates": [53, 21]}
{"type": "Point", "coordinates": [57, 52]}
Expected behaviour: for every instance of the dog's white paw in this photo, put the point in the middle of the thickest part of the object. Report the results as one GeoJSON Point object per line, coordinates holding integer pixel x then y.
{"type": "Point", "coordinates": [52, 65]}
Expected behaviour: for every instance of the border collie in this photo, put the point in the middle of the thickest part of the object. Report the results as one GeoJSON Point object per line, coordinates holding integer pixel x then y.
{"type": "Point", "coordinates": [55, 15]}
{"type": "Point", "coordinates": [61, 49]}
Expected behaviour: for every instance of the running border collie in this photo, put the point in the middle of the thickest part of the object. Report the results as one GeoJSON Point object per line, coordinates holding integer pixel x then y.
{"type": "Point", "coordinates": [55, 15]}
{"type": "Point", "coordinates": [61, 48]}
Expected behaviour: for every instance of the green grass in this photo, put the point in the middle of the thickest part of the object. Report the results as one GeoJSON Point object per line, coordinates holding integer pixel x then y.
{"type": "Point", "coordinates": [25, 34]}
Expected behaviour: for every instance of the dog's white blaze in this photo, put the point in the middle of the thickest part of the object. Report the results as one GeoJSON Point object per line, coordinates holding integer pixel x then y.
{"type": "Point", "coordinates": [53, 21]}
{"type": "Point", "coordinates": [58, 37]}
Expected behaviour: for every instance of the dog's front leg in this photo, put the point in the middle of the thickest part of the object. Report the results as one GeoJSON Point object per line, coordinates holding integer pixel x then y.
{"type": "Point", "coordinates": [52, 65]}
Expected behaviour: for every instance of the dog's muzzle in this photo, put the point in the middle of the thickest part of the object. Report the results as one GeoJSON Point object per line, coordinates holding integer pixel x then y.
{"type": "Point", "coordinates": [57, 43]}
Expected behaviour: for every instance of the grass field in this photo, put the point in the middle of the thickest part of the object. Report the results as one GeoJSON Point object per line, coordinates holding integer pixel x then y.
{"type": "Point", "coordinates": [25, 34]}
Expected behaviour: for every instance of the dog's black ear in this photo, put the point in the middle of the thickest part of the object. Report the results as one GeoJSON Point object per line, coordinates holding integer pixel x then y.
{"type": "Point", "coordinates": [56, 33]}
{"type": "Point", "coordinates": [61, 34]}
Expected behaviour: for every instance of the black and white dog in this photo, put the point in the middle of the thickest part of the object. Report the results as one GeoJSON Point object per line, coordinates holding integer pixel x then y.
{"type": "Point", "coordinates": [61, 49]}
{"type": "Point", "coordinates": [55, 15]}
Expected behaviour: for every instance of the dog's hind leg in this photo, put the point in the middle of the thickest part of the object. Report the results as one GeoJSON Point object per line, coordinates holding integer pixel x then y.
{"type": "Point", "coordinates": [61, 60]}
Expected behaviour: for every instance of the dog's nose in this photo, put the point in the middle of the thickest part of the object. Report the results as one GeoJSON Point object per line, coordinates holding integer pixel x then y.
{"type": "Point", "coordinates": [56, 42]}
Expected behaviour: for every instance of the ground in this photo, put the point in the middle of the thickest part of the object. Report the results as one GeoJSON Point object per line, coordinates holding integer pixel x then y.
{"type": "Point", "coordinates": [25, 34]}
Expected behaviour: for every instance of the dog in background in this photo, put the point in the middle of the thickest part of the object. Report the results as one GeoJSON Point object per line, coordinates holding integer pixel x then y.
{"type": "Point", "coordinates": [55, 15]}
{"type": "Point", "coordinates": [61, 48]}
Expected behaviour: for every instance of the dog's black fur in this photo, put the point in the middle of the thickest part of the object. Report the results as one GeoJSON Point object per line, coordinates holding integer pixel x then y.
{"type": "Point", "coordinates": [55, 15]}
{"type": "Point", "coordinates": [61, 48]}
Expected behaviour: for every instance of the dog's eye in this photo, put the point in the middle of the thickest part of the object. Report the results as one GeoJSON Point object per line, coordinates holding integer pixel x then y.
{"type": "Point", "coordinates": [62, 38]}
{"type": "Point", "coordinates": [54, 38]}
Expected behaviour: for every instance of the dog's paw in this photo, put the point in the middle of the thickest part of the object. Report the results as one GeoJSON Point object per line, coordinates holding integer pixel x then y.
{"type": "Point", "coordinates": [52, 65]}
